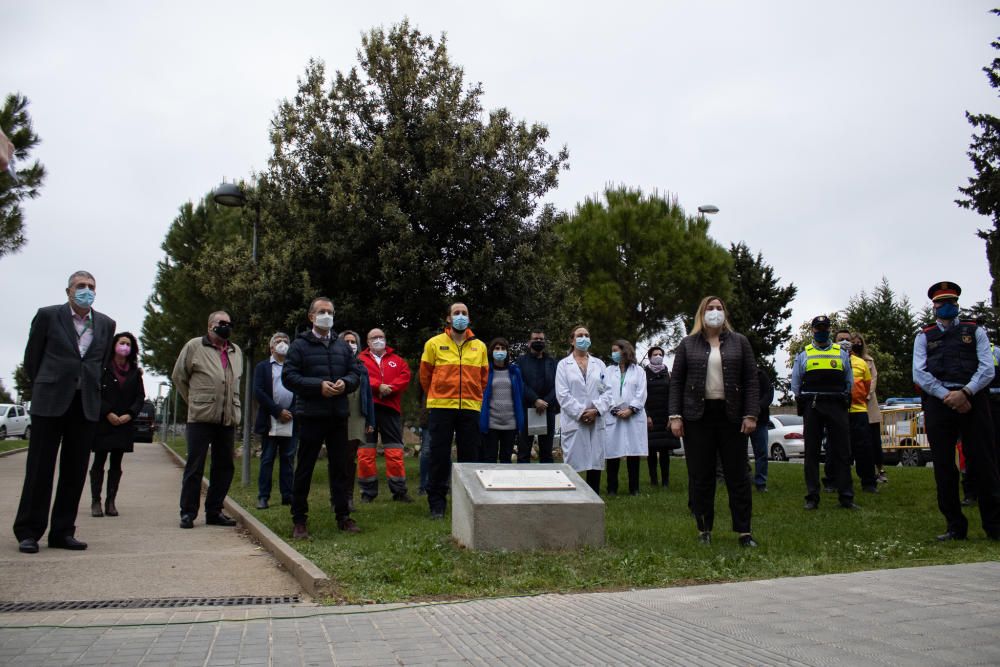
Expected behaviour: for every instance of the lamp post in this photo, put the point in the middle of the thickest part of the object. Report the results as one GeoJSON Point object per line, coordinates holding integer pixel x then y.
{"type": "Point", "coordinates": [707, 209]}
{"type": "Point", "coordinates": [161, 404]}
{"type": "Point", "coordinates": [230, 194]}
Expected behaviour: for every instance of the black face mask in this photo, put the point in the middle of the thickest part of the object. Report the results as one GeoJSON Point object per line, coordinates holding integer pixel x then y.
{"type": "Point", "coordinates": [222, 330]}
{"type": "Point", "coordinates": [538, 345]}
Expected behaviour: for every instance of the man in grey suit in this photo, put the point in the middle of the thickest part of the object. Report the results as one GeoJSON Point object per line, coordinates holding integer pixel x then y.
{"type": "Point", "coordinates": [67, 347]}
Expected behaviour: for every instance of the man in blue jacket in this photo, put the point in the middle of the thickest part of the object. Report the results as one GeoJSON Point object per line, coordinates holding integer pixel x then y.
{"type": "Point", "coordinates": [274, 423]}
{"type": "Point", "coordinates": [538, 368]}
{"type": "Point", "coordinates": [321, 370]}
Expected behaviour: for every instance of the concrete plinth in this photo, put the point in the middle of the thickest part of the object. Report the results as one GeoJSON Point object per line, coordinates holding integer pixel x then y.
{"type": "Point", "coordinates": [488, 519]}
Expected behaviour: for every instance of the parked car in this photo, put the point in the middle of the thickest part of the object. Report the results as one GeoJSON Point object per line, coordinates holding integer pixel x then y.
{"type": "Point", "coordinates": [14, 421]}
{"type": "Point", "coordinates": [784, 438]}
{"type": "Point", "coordinates": [145, 423]}
{"type": "Point", "coordinates": [904, 440]}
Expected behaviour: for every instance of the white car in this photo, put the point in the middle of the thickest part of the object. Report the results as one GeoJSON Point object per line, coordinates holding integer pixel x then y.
{"type": "Point", "coordinates": [14, 421]}
{"type": "Point", "coordinates": [784, 438]}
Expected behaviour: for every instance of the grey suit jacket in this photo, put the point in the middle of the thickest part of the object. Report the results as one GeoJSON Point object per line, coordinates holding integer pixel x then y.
{"type": "Point", "coordinates": [54, 367]}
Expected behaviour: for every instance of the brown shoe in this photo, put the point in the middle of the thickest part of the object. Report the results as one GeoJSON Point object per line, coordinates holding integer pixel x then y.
{"type": "Point", "coordinates": [348, 525]}
{"type": "Point", "coordinates": [299, 532]}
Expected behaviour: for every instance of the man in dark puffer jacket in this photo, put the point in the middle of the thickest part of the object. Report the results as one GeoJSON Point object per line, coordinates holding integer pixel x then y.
{"type": "Point", "coordinates": [321, 370]}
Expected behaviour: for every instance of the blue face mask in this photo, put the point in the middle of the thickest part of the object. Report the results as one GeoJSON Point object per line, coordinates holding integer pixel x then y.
{"type": "Point", "coordinates": [459, 322]}
{"type": "Point", "coordinates": [821, 337]}
{"type": "Point", "coordinates": [947, 311]}
{"type": "Point", "coordinates": [583, 343]}
{"type": "Point", "coordinates": [616, 356]}
{"type": "Point", "coordinates": [84, 297]}
{"type": "Point", "coordinates": [499, 355]}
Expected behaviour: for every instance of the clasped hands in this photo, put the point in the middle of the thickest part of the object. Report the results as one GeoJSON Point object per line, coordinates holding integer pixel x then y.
{"type": "Point", "coordinates": [118, 420]}
{"type": "Point", "coordinates": [958, 400]}
{"type": "Point", "coordinates": [331, 389]}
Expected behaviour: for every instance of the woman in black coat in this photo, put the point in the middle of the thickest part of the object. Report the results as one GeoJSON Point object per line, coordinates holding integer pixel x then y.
{"type": "Point", "coordinates": [713, 406]}
{"type": "Point", "coordinates": [657, 408]}
{"type": "Point", "coordinates": [122, 397]}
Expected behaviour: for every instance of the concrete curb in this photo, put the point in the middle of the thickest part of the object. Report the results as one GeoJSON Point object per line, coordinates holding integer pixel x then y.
{"type": "Point", "coordinates": [310, 577]}
{"type": "Point", "coordinates": [13, 451]}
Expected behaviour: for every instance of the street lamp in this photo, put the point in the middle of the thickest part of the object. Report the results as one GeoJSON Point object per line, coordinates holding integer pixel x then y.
{"type": "Point", "coordinates": [161, 404]}
{"type": "Point", "coordinates": [230, 194]}
{"type": "Point", "coordinates": [708, 208]}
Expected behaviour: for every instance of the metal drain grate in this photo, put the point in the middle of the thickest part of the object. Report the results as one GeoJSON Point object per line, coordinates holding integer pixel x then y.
{"type": "Point", "coordinates": [147, 603]}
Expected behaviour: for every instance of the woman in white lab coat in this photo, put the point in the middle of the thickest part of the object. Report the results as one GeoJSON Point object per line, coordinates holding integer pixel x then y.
{"type": "Point", "coordinates": [625, 433]}
{"type": "Point", "coordinates": [584, 400]}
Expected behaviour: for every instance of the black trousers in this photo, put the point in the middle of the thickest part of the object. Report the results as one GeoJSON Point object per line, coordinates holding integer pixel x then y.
{"type": "Point", "coordinates": [445, 424]}
{"type": "Point", "coordinates": [829, 414]}
{"type": "Point", "coordinates": [544, 441]}
{"type": "Point", "coordinates": [705, 441]}
{"type": "Point", "coordinates": [497, 446]}
{"type": "Point", "coordinates": [200, 437]}
{"type": "Point", "coordinates": [659, 455]}
{"type": "Point", "coordinates": [76, 435]}
{"type": "Point", "coordinates": [861, 449]}
{"type": "Point", "coordinates": [944, 426]}
{"type": "Point", "coordinates": [875, 437]}
{"type": "Point", "coordinates": [313, 433]}
{"type": "Point", "coordinates": [593, 478]}
{"type": "Point", "coordinates": [632, 466]}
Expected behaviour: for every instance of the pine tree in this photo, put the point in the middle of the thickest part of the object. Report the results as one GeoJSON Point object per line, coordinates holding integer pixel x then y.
{"type": "Point", "coordinates": [16, 124]}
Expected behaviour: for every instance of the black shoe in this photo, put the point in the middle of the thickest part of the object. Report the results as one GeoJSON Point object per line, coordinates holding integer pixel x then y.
{"type": "Point", "coordinates": [28, 546]}
{"type": "Point", "coordinates": [96, 509]}
{"type": "Point", "coordinates": [849, 506]}
{"type": "Point", "coordinates": [705, 537]}
{"type": "Point", "coordinates": [634, 493]}
{"type": "Point", "coordinates": [949, 536]}
{"type": "Point", "coordinates": [421, 492]}
{"type": "Point", "coordinates": [748, 542]}
{"type": "Point", "coordinates": [811, 505]}
{"type": "Point", "coordinates": [68, 542]}
{"type": "Point", "coordinates": [287, 500]}
{"type": "Point", "coordinates": [402, 498]}
{"type": "Point", "coordinates": [869, 489]}
{"type": "Point", "coordinates": [969, 502]}
{"type": "Point", "coordinates": [348, 525]}
{"type": "Point", "coordinates": [762, 488]}
{"type": "Point", "coordinates": [187, 521]}
{"type": "Point", "coordinates": [262, 503]}
{"type": "Point", "coordinates": [219, 519]}
{"type": "Point", "coordinates": [435, 515]}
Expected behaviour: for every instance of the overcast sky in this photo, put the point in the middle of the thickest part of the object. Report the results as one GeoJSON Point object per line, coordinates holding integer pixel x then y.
{"type": "Point", "coordinates": [831, 136]}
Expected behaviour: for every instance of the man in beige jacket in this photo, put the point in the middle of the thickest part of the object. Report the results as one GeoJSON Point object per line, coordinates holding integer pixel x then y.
{"type": "Point", "coordinates": [207, 376]}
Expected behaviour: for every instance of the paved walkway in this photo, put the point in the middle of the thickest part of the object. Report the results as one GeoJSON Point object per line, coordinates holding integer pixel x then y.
{"type": "Point", "coordinates": [140, 554]}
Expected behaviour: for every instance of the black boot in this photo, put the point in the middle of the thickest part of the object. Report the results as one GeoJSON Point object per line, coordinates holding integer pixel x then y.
{"type": "Point", "coordinates": [114, 476]}
{"type": "Point", "coordinates": [651, 461]}
{"type": "Point", "coordinates": [96, 482]}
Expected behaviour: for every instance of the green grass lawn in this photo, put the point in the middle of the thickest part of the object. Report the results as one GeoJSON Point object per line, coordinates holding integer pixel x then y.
{"type": "Point", "coordinates": [9, 444]}
{"type": "Point", "coordinates": [401, 555]}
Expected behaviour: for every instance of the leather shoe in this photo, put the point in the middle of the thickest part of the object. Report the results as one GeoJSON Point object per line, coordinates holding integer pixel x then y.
{"type": "Point", "coordinates": [187, 521]}
{"type": "Point", "coordinates": [849, 506]}
{"type": "Point", "coordinates": [869, 489]}
{"type": "Point", "coordinates": [762, 488]}
{"type": "Point", "coordinates": [748, 542]}
{"type": "Point", "coordinates": [705, 537]}
{"type": "Point", "coordinates": [262, 503]}
{"type": "Point", "coordinates": [402, 498]}
{"type": "Point", "coordinates": [437, 514]}
{"type": "Point", "coordinates": [948, 536]}
{"type": "Point", "coordinates": [969, 502]}
{"type": "Point", "coordinates": [96, 509]}
{"type": "Point", "coordinates": [219, 519]}
{"type": "Point", "coordinates": [348, 525]}
{"type": "Point", "coordinates": [811, 505]}
{"type": "Point", "coordinates": [68, 542]}
{"type": "Point", "coordinates": [28, 546]}
{"type": "Point", "coordinates": [299, 532]}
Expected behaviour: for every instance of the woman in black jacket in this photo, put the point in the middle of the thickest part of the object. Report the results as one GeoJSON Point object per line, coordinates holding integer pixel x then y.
{"type": "Point", "coordinates": [657, 408]}
{"type": "Point", "coordinates": [122, 397]}
{"type": "Point", "coordinates": [713, 406]}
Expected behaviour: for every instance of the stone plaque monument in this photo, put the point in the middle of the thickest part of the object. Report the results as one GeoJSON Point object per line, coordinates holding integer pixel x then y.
{"type": "Point", "coordinates": [518, 507]}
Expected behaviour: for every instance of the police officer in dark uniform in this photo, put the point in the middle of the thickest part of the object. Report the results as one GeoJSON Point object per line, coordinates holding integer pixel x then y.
{"type": "Point", "coordinates": [821, 382]}
{"type": "Point", "coordinates": [953, 366]}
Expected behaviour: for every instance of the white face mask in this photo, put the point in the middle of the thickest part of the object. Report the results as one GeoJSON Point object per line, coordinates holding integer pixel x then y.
{"type": "Point", "coordinates": [281, 348]}
{"type": "Point", "coordinates": [378, 345]}
{"type": "Point", "coordinates": [715, 318]}
{"type": "Point", "coordinates": [354, 347]}
{"type": "Point", "coordinates": [324, 321]}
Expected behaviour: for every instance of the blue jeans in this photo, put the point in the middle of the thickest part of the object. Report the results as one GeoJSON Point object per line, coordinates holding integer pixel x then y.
{"type": "Point", "coordinates": [759, 441]}
{"type": "Point", "coordinates": [271, 446]}
{"type": "Point", "coordinates": [425, 457]}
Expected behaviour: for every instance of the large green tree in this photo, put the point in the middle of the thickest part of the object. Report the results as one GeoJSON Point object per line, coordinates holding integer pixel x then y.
{"type": "Point", "coordinates": [186, 286]}
{"type": "Point", "coordinates": [982, 194]}
{"type": "Point", "coordinates": [5, 396]}
{"type": "Point", "coordinates": [22, 385]}
{"type": "Point", "coordinates": [640, 262]}
{"type": "Point", "coordinates": [393, 192]}
{"type": "Point", "coordinates": [759, 305]}
{"type": "Point", "coordinates": [16, 124]}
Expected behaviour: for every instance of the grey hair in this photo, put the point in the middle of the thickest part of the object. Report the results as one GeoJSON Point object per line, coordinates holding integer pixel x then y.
{"type": "Point", "coordinates": [77, 274]}
{"type": "Point", "coordinates": [277, 336]}
{"type": "Point", "coordinates": [216, 313]}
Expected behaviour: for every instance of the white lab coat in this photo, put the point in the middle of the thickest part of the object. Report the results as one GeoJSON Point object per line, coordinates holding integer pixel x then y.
{"type": "Point", "coordinates": [582, 444]}
{"type": "Point", "coordinates": [626, 437]}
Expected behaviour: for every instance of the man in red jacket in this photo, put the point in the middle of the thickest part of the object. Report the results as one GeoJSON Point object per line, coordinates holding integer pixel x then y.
{"type": "Point", "coordinates": [390, 377]}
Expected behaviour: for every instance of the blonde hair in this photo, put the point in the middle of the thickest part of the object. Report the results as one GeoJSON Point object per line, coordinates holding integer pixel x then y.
{"type": "Point", "coordinates": [699, 315]}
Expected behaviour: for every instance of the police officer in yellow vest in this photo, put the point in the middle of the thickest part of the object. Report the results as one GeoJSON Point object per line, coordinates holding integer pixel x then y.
{"type": "Point", "coordinates": [953, 367]}
{"type": "Point", "coordinates": [821, 382]}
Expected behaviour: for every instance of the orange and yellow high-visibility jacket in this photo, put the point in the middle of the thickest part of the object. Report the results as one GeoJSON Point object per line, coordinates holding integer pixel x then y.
{"type": "Point", "coordinates": [454, 376]}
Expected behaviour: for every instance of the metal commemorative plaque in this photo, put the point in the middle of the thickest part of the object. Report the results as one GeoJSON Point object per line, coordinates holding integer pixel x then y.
{"type": "Point", "coordinates": [524, 480]}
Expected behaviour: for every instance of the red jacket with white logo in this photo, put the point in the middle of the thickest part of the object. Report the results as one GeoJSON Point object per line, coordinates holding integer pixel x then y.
{"type": "Point", "coordinates": [393, 371]}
